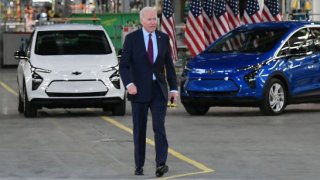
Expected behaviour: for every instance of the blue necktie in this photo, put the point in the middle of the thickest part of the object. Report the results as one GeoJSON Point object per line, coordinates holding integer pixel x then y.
{"type": "Point", "coordinates": [150, 49]}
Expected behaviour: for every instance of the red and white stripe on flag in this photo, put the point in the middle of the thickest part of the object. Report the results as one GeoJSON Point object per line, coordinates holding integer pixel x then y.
{"type": "Point", "coordinates": [233, 13]}
{"type": "Point", "coordinates": [207, 21]}
{"type": "Point", "coordinates": [220, 19]}
{"type": "Point", "coordinates": [167, 26]}
{"type": "Point", "coordinates": [194, 34]}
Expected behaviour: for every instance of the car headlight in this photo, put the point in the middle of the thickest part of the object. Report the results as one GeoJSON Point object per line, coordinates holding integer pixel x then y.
{"type": "Point", "coordinates": [250, 78]}
{"type": "Point", "coordinates": [111, 68]}
{"type": "Point", "coordinates": [184, 78]}
{"type": "Point", "coordinates": [115, 79]}
{"type": "Point", "coordinates": [36, 81]}
{"type": "Point", "coordinates": [185, 72]}
{"type": "Point", "coordinates": [36, 78]}
{"type": "Point", "coordinates": [251, 67]}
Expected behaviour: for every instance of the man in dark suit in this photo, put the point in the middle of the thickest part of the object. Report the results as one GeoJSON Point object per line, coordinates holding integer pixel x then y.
{"type": "Point", "coordinates": [145, 68]}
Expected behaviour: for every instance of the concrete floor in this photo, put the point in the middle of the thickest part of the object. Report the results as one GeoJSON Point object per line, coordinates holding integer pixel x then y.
{"type": "Point", "coordinates": [226, 144]}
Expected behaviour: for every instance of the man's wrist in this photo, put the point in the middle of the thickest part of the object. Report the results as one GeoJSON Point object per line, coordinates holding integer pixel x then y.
{"type": "Point", "coordinates": [128, 85]}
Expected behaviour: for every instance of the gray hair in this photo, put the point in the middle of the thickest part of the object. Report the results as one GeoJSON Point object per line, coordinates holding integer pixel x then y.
{"type": "Point", "coordinates": [146, 9]}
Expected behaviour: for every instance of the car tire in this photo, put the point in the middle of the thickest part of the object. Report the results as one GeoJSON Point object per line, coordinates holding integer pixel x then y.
{"type": "Point", "coordinates": [196, 109]}
{"type": "Point", "coordinates": [119, 109]}
{"type": "Point", "coordinates": [29, 109]}
{"type": "Point", "coordinates": [274, 98]}
{"type": "Point", "coordinates": [20, 104]}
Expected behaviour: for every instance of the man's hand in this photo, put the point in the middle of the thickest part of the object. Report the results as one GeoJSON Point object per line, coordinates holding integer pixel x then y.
{"type": "Point", "coordinates": [132, 89]}
{"type": "Point", "coordinates": [173, 96]}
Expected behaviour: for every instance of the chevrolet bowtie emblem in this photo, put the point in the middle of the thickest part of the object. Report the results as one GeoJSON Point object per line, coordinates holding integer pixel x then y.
{"type": "Point", "coordinates": [76, 73]}
{"type": "Point", "coordinates": [210, 71]}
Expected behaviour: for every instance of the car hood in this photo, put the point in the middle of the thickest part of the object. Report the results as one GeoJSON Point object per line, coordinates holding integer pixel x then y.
{"type": "Point", "coordinates": [74, 62]}
{"type": "Point", "coordinates": [226, 61]}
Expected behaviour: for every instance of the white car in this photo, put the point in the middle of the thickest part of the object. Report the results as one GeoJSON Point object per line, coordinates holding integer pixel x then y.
{"type": "Point", "coordinates": [69, 66]}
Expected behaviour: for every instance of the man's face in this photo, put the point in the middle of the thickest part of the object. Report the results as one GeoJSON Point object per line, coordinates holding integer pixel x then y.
{"type": "Point", "coordinates": [149, 21]}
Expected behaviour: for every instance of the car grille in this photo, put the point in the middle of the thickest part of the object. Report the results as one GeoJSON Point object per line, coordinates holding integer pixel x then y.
{"type": "Point", "coordinates": [212, 86]}
{"type": "Point", "coordinates": [76, 94]}
{"type": "Point", "coordinates": [76, 88]}
{"type": "Point", "coordinates": [212, 94]}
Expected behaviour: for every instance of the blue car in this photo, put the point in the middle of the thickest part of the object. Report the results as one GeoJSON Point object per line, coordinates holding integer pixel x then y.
{"type": "Point", "coordinates": [265, 65]}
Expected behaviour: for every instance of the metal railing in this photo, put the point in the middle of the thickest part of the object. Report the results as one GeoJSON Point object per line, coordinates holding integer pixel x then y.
{"type": "Point", "coordinates": [302, 16]}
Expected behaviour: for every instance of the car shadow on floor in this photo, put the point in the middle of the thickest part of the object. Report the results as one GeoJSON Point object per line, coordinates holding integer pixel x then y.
{"type": "Point", "coordinates": [252, 112]}
{"type": "Point", "coordinates": [72, 113]}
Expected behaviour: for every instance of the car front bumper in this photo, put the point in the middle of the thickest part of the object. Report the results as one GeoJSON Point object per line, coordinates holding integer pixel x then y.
{"type": "Point", "coordinates": [76, 102]}
{"type": "Point", "coordinates": [219, 101]}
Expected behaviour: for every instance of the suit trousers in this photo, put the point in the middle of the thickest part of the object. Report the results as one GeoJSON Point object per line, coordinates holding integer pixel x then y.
{"type": "Point", "coordinates": [158, 107]}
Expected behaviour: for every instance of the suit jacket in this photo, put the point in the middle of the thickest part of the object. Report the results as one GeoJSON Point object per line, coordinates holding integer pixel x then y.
{"type": "Point", "coordinates": [136, 68]}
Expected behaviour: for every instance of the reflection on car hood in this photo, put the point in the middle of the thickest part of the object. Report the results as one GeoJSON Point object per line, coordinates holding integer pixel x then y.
{"type": "Point", "coordinates": [71, 62]}
{"type": "Point", "coordinates": [226, 60]}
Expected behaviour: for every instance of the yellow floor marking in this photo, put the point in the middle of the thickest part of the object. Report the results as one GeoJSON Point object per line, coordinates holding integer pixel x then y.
{"type": "Point", "coordinates": [187, 174]}
{"type": "Point", "coordinates": [204, 169]}
{"type": "Point", "coordinates": [9, 89]}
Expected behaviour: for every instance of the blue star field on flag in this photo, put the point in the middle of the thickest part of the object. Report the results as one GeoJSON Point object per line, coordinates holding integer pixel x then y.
{"type": "Point", "coordinates": [208, 8]}
{"type": "Point", "coordinates": [252, 7]}
{"type": "Point", "coordinates": [195, 8]}
{"type": "Point", "coordinates": [234, 5]}
{"type": "Point", "coordinates": [273, 7]}
{"type": "Point", "coordinates": [167, 9]}
{"type": "Point", "coordinates": [219, 8]}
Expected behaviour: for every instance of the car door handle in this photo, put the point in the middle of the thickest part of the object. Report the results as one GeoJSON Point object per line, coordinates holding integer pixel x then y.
{"type": "Point", "coordinates": [316, 60]}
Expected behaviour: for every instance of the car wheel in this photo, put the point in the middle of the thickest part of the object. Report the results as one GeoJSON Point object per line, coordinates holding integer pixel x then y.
{"type": "Point", "coordinates": [274, 99]}
{"type": "Point", "coordinates": [196, 109]}
{"type": "Point", "coordinates": [20, 104]}
{"type": "Point", "coordinates": [119, 109]}
{"type": "Point", "coordinates": [29, 111]}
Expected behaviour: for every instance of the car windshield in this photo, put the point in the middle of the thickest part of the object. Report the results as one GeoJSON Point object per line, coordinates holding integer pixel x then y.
{"type": "Point", "coordinates": [72, 42]}
{"type": "Point", "coordinates": [257, 40]}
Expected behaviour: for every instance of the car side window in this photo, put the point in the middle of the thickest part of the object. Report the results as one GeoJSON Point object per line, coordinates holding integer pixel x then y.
{"type": "Point", "coordinates": [285, 50]}
{"type": "Point", "coordinates": [315, 32]}
{"type": "Point", "coordinates": [301, 42]}
{"type": "Point", "coordinates": [298, 38]}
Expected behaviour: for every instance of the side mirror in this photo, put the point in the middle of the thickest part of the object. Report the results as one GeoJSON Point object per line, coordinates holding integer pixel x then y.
{"type": "Point", "coordinates": [20, 55]}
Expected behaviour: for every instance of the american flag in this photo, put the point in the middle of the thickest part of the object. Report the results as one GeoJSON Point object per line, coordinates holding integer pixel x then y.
{"type": "Point", "coordinates": [220, 19]}
{"type": "Point", "coordinates": [271, 11]}
{"type": "Point", "coordinates": [167, 26]}
{"type": "Point", "coordinates": [233, 13]}
{"type": "Point", "coordinates": [207, 21]}
{"type": "Point", "coordinates": [234, 22]}
{"type": "Point", "coordinates": [194, 35]}
{"type": "Point", "coordinates": [251, 12]}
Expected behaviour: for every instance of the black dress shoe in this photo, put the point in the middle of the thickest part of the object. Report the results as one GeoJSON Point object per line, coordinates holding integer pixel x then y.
{"type": "Point", "coordinates": [138, 171]}
{"type": "Point", "coordinates": [161, 170]}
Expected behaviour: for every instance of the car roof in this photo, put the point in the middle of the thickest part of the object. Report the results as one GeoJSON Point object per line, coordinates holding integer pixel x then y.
{"type": "Point", "coordinates": [282, 24]}
{"type": "Point", "coordinates": [55, 27]}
